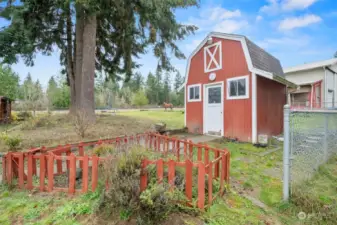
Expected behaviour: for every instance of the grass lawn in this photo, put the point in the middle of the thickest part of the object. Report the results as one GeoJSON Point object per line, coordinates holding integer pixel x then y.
{"type": "Point", "coordinates": [255, 179]}
{"type": "Point", "coordinates": [173, 119]}
{"type": "Point", "coordinates": [20, 207]}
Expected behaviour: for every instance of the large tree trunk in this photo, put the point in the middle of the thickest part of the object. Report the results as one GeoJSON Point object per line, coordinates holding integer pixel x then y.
{"type": "Point", "coordinates": [85, 62]}
{"type": "Point", "coordinates": [88, 65]}
{"type": "Point", "coordinates": [78, 53]}
{"type": "Point", "coordinates": [70, 62]}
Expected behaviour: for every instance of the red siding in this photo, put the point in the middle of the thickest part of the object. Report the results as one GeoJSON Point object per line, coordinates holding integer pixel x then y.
{"type": "Point", "coordinates": [271, 97]}
{"type": "Point", "coordinates": [237, 113]}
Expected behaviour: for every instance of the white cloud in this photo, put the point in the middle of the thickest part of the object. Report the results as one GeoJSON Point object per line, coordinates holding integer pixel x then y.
{"type": "Point", "coordinates": [259, 18]}
{"type": "Point", "coordinates": [296, 22]}
{"type": "Point", "coordinates": [285, 42]}
{"type": "Point", "coordinates": [272, 7]}
{"type": "Point", "coordinates": [276, 6]}
{"type": "Point", "coordinates": [230, 26]}
{"type": "Point", "coordinates": [218, 19]}
{"type": "Point", "coordinates": [297, 4]}
{"type": "Point", "coordinates": [218, 13]}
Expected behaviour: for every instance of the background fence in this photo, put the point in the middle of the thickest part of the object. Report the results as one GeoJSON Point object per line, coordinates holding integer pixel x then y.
{"type": "Point", "coordinates": [310, 139]}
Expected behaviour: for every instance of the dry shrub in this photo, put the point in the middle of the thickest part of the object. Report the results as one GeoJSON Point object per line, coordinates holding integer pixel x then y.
{"type": "Point", "coordinates": [37, 122]}
{"type": "Point", "coordinates": [82, 122]}
{"type": "Point", "coordinates": [24, 115]}
{"type": "Point", "coordinates": [103, 149]}
{"type": "Point", "coordinates": [123, 171]}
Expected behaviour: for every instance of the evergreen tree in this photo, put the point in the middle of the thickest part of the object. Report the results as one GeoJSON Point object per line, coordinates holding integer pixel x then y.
{"type": "Point", "coordinates": [52, 91]}
{"type": "Point", "coordinates": [9, 83]}
{"type": "Point", "coordinates": [159, 88]}
{"type": "Point", "coordinates": [167, 88]}
{"type": "Point", "coordinates": [151, 86]}
{"type": "Point", "coordinates": [38, 90]}
{"type": "Point", "coordinates": [178, 81]}
{"type": "Point", "coordinates": [93, 36]}
{"type": "Point", "coordinates": [33, 97]}
{"type": "Point", "coordinates": [136, 82]}
{"type": "Point", "coordinates": [179, 95]}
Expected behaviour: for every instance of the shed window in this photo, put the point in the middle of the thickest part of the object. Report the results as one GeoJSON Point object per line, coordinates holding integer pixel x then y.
{"type": "Point", "coordinates": [238, 88]}
{"type": "Point", "coordinates": [194, 93]}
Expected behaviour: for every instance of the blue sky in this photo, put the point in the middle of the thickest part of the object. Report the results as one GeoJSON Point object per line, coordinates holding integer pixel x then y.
{"type": "Point", "coordinates": [294, 31]}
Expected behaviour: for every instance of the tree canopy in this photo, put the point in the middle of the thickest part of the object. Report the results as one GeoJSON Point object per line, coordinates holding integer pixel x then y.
{"type": "Point", "coordinates": [93, 35]}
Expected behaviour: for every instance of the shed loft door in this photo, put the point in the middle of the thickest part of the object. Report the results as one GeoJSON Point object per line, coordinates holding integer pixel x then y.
{"type": "Point", "coordinates": [213, 120]}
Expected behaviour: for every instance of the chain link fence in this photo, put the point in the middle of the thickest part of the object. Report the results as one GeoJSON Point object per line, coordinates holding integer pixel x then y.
{"type": "Point", "coordinates": [310, 139]}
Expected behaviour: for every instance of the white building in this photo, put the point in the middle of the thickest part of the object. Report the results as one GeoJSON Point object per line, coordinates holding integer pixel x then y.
{"type": "Point", "coordinates": [317, 84]}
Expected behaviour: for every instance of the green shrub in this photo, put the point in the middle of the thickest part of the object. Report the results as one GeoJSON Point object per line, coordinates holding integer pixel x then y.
{"type": "Point", "coordinates": [12, 142]}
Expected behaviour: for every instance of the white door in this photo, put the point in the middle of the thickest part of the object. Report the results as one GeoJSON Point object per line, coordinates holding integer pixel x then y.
{"type": "Point", "coordinates": [213, 118]}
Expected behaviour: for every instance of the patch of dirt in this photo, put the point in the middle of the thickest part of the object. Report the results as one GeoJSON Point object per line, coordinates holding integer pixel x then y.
{"type": "Point", "coordinates": [182, 219]}
{"type": "Point", "coordinates": [237, 186]}
{"type": "Point", "coordinates": [173, 219]}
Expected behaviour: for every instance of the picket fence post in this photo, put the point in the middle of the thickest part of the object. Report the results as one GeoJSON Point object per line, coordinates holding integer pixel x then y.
{"type": "Point", "coordinates": [143, 176]}
{"type": "Point", "coordinates": [94, 174]}
{"type": "Point", "coordinates": [72, 173]}
{"type": "Point", "coordinates": [30, 172]}
{"type": "Point", "coordinates": [50, 172]}
{"type": "Point", "coordinates": [201, 185]}
{"type": "Point", "coordinates": [85, 170]}
{"type": "Point", "coordinates": [188, 178]}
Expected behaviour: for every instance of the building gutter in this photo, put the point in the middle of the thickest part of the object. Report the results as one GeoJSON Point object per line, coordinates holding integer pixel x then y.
{"type": "Point", "coordinates": [284, 81]}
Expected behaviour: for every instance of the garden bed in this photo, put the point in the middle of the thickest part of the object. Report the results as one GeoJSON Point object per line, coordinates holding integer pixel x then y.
{"type": "Point", "coordinates": [205, 168]}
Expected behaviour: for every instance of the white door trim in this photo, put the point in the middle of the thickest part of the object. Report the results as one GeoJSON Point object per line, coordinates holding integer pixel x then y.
{"type": "Point", "coordinates": [205, 99]}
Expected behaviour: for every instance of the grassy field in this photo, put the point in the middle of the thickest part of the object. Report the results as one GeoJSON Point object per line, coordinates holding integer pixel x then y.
{"type": "Point", "coordinates": [59, 128]}
{"type": "Point", "coordinates": [254, 197]}
{"type": "Point", "coordinates": [173, 119]}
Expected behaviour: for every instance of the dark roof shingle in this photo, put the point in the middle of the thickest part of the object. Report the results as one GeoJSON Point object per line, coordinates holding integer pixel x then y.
{"type": "Point", "coordinates": [263, 60]}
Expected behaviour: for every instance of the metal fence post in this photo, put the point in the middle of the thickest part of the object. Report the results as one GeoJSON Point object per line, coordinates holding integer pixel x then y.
{"type": "Point", "coordinates": [325, 143]}
{"type": "Point", "coordinates": [286, 154]}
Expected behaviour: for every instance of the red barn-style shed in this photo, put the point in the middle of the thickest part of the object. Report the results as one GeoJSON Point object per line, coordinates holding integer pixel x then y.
{"type": "Point", "coordinates": [233, 88]}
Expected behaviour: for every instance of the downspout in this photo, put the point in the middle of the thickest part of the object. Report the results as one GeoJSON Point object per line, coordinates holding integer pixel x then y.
{"type": "Point", "coordinates": [334, 91]}
{"type": "Point", "coordinates": [325, 89]}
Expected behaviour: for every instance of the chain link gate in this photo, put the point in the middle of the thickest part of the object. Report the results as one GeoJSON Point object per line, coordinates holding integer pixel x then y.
{"type": "Point", "coordinates": [310, 139]}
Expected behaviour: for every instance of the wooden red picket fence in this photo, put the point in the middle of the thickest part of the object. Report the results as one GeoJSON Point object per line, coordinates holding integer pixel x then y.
{"type": "Point", "coordinates": [37, 168]}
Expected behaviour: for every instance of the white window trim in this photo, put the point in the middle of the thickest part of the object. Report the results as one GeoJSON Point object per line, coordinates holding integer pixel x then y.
{"type": "Point", "coordinates": [217, 50]}
{"type": "Point", "coordinates": [188, 93]}
{"type": "Point", "coordinates": [247, 88]}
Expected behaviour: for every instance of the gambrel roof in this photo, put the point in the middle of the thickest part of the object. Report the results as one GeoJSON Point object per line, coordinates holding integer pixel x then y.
{"type": "Point", "coordinates": [258, 60]}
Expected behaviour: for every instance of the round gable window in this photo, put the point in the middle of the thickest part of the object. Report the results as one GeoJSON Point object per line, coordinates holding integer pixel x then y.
{"type": "Point", "coordinates": [212, 76]}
